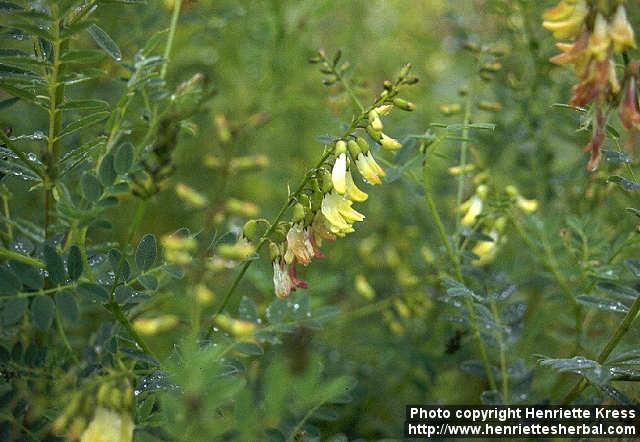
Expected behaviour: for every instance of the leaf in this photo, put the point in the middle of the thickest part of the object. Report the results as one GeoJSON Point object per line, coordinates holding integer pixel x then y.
{"type": "Point", "coordinates": [123, 159]}
{"type": "Point", "coordinates": [83, 123]}
{"type": "Point", "coordinates": [623, 183]}
{"type": "Point", "coordinates": [249, 348]}
{"type": "Point", "coordinates": [173, 271]}
{"type": "Point", "coordinates": [103, 40]}
{"type": "Point", "coordinates": [54, 264]}
{"type": "Point", "coordinates": [42, 312]}
{"type": "Point", "coordinates": [13, 310]}
{"type": "Point", "coordinates": [613, 156]}
{"type": "Point", "coordinates": [149, 282]}
{"type": "Point", "coordinates": [247, 309]}
{"type": "Point", "coordinates": [5, 104]}
{"type": "Point", "coordinates": [602, 304]}
{"type": "Point", "coordinates": [106, 171]}
{"type": "Point", "coordinates": [91, 187]}
{"type": "Point", "coordinates": [633, 265]}
{"type": "Point", "coordinates": [92, 291]}
{"type": "Point", "coordinates": [82, 56]}
{"type": "Point", "coordinates": [67, 306]}
{"type": "Point", "coordinates": [95, 105]}
{"type": "Point", "coordinates": [146, 252]}
{"type": "Point", "coordinates": [18, 92]}
{"type": "Point", "coordinates": [74, 263]}
{"type": "Point", "coordinates": [587, 368]}
{"type": "Point", "coordinates": [30, 276]}
{"type": "Point", "coordinates": [9, 282]}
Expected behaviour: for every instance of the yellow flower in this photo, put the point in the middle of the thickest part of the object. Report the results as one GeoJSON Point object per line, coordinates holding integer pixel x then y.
{"type": "Point", "coordinates": [352, 191]}
{"type": "Point", "coordinates": [600, 40]}
{"type": "Point", "coordinates": [109, 426]}
{"type": "Point", "coordinates": [375, 121]}
{"type": "Point", "coordinates": [368, 168]}
{"type": "Point", "coordinates": [565, 20]}
{"type": "Point", "coordinates": [338, 174]}
{"type": "Point", "coordinates": [152, 326]}
{"type": "Point", "coordinates": [340, 215]}
{"type": "Point", "coordinates": [621, 32]}
{"type": "Point", "coordinates": [389, 143]}
{"type": "Point", "coordinates": [486, 250]}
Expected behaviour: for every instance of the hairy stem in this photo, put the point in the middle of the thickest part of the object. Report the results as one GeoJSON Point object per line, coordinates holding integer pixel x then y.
{"type": "Point", "coordinates": [56, 96]}
{"type": "Point", "coordinates": [172, 33]}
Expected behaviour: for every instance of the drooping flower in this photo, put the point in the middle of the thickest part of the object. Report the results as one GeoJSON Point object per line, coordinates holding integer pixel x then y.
{"type": "Point", "coordinates": [486, 250]}
{"type": "Point", "coordinates": [299, 246]}
{"type": "Point", "coordinates": [340, 215]}
{"type": "Point", "coordinates": [338, 174]}
{"type": "Point", "coordinates": [389, 143]}
{"type": "Point", "coordinates": [109, 426]}
{"type": "Point", "coordinates": [375, 121]}
{"type": "Point", "coordinates": [285, 279]}
{"type": "Point", "coordinates": [352, 191]}
{"type": "Point", "coordinates": [472, 208]}
{"type": "Point", "coordinates": [566, 19]}
{"type": "Point", "coordinates": [369, 168]}
{"type": "Point", "coordinates": [621, 31]}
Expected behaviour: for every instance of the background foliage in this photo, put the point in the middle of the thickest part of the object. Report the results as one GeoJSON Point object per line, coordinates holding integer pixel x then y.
{"type": "Point", "coordinates": [155, 167]}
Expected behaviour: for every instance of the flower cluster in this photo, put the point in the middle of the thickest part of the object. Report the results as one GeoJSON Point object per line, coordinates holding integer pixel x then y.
{"type": "Point", "coordinates": [491, 228]}
{"type": "Point", "coordinates": [597, 35]}
{"type": "Point", "coordinates": [108, 409]}
{"type": "Point", "coordinates": [324, 210]}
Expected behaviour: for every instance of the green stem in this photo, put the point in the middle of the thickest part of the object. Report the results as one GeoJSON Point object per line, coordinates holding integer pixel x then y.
{"type": "Point", "coordinates": [115, 309]}
{"type": "Point", "coordinates": [41, 292]}
{"type": "Point", "coordinates": [56, 96]}
{"type": "Point", "coordinates": [172, 32]}
{"type": "Point", "coordinates": [504, 372]}
{"type": "Point", "coordinates": [294, 433]}
{"type": "Point", "coordinates": [463, 156]}
{"type": "Point", "coordinates": [7, 215]}
{"type": "Point", "coordinates": [428, 192]}
{"type": "Point", "coordinates": [10, 254]}
{"type": "Point", "coordinates": [613, 342]}
{"type": "Point", "coordinates": [63, 336]}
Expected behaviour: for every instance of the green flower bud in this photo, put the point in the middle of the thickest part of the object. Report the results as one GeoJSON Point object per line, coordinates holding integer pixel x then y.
{"type": "Point", "coordinates": [326, 183]}
{"type": "Point", "coordinates": [354, 148]}
{"type": "Point", "coordinates": [404, 104]}
{"type": "Point", "coordinates": [115, 399]}
{"type": "Point", "coordinates": [103, 394]}
{"type": "Point", "coordinates": [341, 147]}
{"type": "Point", "coordinates": [364, 146]}
{"type": "Point", "coordinates": [274, 251]}
{"type": "Point", "coordinates": [491, 106]}
{"type": "Point", "coordinates": [375, 134]}
{"type": "Point", "coordinates": [297, 213]}
{"type": "Point", "coordinates": [250, 229]}
{"type": "Point", "coordinates": [405, 71]}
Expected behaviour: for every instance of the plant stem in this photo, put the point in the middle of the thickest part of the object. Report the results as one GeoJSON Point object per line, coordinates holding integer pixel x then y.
{"type": "Point", "coordinates": [428, 192]}
{"type": "Point", "coordinates": [463, 156]}
{"type": "Point", "coordinates": [504, 372]}
{"type": "Point", "coordinates": [63, 336]}
{"type": "Point", "coordinates": [172, 32]}
{"type": "Point", "coordinates": [20, 257]}
{"type": "Point", "coordinates": [56, 96]}
{"type": "Point", "coordinates": [7, 215]}
{"type": "Point", "coordinates": [613, 342]}
{"type": "Point", "coordinates": [115, 309]}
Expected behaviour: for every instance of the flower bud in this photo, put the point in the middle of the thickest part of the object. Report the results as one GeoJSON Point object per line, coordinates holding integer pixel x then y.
{"type": "Point", "coordinates": [375, 134]}
{"type": "Point", "coordinates": [204, 296]}
{"type": "Point", "coordinates": [326, 183]}
{"type": "Point", "coordinates": [191, 196]}
{"type": "Point", "coordinates": [297, 213]}
{"type": "Point", "coordinates": [364, 145]}
{"type": "Point", "coordinates": [374, 120]}
{"type": "Point", "coordinates": [492, 106]}
{"type": "Point", "coordinates": [383, 110]}
{"type": "Point", "coordinates": [405, 71]}
{"type": "Point", "coordinates": [250, 229]}
{"type": "Point", "coordinates": [274, 251]}
{"type": "Point", "coordinates": [450, 109]}
{"type": "Point", "coordinates": [404, 104]}
{"type": "Point", "coordinates": [363, 287]}
{"type": "Point", "coordinates": [236, 327]}
{"type": "Point", "coordinates": [341, 147]}
{"type": "Point", "coordinates": [354, 148]}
